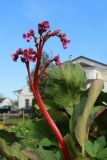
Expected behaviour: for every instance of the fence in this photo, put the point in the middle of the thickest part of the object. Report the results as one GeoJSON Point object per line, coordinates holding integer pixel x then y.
{"type": "Point", "coordinates": [14, 115]}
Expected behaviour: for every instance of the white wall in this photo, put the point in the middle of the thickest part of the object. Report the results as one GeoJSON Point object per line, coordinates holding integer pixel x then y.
{"type": "Point", "coordinates": [105, 86]}
{"type": "Point", "coordinates": [92, 73]}
{"type": "Point", "coordinates": [6, 102]}
{"type": "Point", "coordinates": [23, 95]}
{"type": "Point", "coordinates": [95, 70]}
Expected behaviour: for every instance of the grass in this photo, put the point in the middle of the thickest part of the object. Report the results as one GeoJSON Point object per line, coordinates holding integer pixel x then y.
{"type": "Point", "coordinates": [12, 120]}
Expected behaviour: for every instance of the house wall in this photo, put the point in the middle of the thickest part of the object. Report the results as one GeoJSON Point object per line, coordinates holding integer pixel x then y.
{"type": "Point", "coordinates": [95, 70]}
{"type": "Point", "coordinates": [24, 95]}
{"type": "Point", "coordinates": [105, 86]}
{"type": "Point", "coordinates": [92, 73]}
{"type": "Point", "coordinates": [96, 74]}
{"type": "Point", "coordinates": [6, 102]}
{"type": "Point", "coordinates": [104, 75]}
{"type": "Point", "coordinates": [22, 99]}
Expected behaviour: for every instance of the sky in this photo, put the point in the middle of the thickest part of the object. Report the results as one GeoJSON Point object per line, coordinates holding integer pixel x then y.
{"type": "Point", "coordinates": [84, 22]}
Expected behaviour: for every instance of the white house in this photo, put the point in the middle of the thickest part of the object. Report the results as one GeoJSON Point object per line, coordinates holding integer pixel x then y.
{"type": "Point", "coordinates": [93, 69]}
{"type": "Point", "coordinates": [5, 105]}
{"type": "Point", "coordinates": [5, 102]}
{"type": "Point", "coordinates": [25, 97]}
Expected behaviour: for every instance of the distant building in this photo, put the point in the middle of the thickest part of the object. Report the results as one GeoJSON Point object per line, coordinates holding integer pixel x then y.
{"type": "Point", "coordinates": [93, 69]}
{"type": "Point", "coordinates": [5, 104]}
{"type": "Point", "coordinates": [25, 97]}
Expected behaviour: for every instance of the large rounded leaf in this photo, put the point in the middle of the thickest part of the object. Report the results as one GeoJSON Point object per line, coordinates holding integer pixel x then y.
{"type": "Point", "coordinates": [64, 84]}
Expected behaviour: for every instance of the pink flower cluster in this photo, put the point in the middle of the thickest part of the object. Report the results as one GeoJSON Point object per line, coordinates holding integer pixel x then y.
{"type": "Point", "coordinates": [57, 60]}
{"type": "Point", "coordinates": [64, 40]}
{"type": "Point", "coordinates": [43, 27]}
{"type": "Point", "coordinates": [28, 36]}
{"type": "Point", "coordinates": [27, 55]}
{"type": "Point", "coordinates": [62, 37]}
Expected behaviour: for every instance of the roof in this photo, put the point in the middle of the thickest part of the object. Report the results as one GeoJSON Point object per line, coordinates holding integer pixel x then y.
{"type": "Point", "coordinates": [89, 60]}
{"type": "Point", "coordinates": [2, 99]}
{"type": "Point", "coordinates": [18, 90]}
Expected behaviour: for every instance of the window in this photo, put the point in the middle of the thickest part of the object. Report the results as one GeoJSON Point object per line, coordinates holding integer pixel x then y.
{"type": "Point", "coordinates": [26, 102]}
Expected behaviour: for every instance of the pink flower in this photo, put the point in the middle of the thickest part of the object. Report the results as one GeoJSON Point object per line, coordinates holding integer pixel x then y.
{"type": "Point", "coordinates": [57, 60]}
{"type": "Point", "coordinates": [65, 42]}
{"type": "Point", "coordinates": [15, 57]}
{"type": "Point", "coordinates": [58, 63]}
{"type": "Point", "coordinates": [27, 36]}
{"type": "Point", "coordinates": [34, 53]}
{"type": "Point", "coordinates": [29, 54]}
{"type": "Point", "coordinates": [26, 55]}
{"type": "Point", "coordinates": [43, 27]}
{"type": "Point", "coordinates": [30, 50]}
{"type": "Point", "coordinates": [24, 35]}
{"type": "Point", "coordinates": [24, 60]}
{"type": "Point", "coordinates": [32, 59]}
{"type": "Point", "coordinates": [31, 32]}
{"type": "Point", "coordinates": [19, 51]}
{"type": "Point", "coordinates": [61, 35]}
{"type": "Point", "coordinates": [55, 33]}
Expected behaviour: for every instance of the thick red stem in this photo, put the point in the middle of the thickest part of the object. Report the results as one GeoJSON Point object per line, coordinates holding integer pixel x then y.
{"type": "Point", "coordinates": [47, 116]}
{"type": "Point", "coordinates": [39, 55]}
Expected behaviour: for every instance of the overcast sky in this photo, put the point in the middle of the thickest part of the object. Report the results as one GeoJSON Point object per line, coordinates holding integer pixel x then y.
{"type": "Point", "coordinates": [84, 21]}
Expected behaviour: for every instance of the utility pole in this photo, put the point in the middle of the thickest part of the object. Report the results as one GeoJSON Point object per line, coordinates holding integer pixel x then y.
{"type": "Point", "coordinates": [70, 57]}
{"type": "Point", "coordinates": [51, 54]}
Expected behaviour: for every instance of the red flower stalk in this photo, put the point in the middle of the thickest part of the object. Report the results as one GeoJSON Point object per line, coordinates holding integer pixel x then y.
{"type": "Point", "coordinates": [29, 55]}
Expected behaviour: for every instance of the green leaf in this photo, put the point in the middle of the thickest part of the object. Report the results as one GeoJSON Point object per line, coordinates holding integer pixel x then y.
{"type": "Point", "coordinates": [29, 144]}
{"type": "Point", "coordinates": [59, 156]}
{"type": "Point", "coordinates": [70, 142]}
{"type": "Point", "coordinates": [61, 119]}
{"type": "Point", "coordinates": [58, 115]}
{"type": "Point", "coordinates": [99, 144]}
{"type": "Point", "coordinates": [39, 129]}
{"type": "Point", "coordinates": [77, 111]}
{"type": "Point", "coordinates": [11, 152]}
{"type": "Point", "coordinates": [96, 111]}
{"type": "Point", "coordinates": [45, 142]}
{"type": "Point", "coordinates": [4, 147]}
{"type": "Point", "coordinates": [31, 155]}
{"type": "Point", "coordinates": [46, 154]}
{"type": "Point", "coordinates": [89, 147]}
{"type": "Point", "coordinates": [81, 127]}
{"type": "Point", "coordinates": [10, 137]}
{"type": "Point", "coordinates": [102, 153]}
{"type": "Point", "coordinates": [64, 86]}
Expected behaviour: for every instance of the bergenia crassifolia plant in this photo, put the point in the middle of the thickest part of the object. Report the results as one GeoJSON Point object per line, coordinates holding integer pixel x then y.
{"type": "Point", "coordinates": [31, 55]}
